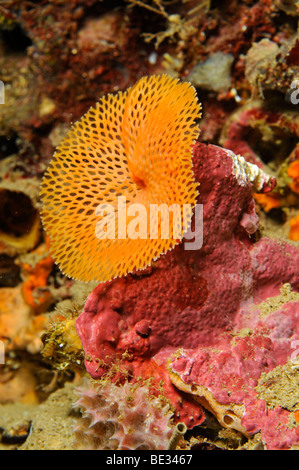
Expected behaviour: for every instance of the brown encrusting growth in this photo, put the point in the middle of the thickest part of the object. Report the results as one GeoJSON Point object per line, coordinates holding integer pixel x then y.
{"type": "Point", "coordinates": [136, 144]}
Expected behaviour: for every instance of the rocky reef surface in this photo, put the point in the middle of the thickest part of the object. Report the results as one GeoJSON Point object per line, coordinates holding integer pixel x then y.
{"type": "Point", "coordinates": [209, 336]}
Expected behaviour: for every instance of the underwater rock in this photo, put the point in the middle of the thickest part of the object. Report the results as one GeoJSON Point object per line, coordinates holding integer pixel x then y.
{"type": "Point", "coordinates": [270, 67]}
{"type": "Point", "coordinates": [102, 35]}
{"type": "Point", "coordinates": [259, 59]}
{"type": "Point", "coordinates": [224, 378]}
{"type": "Point", "coordinates": [194, 300]}
{"type": "Point", "coordinates": [261, 133]}
{"type": "Point", "coordinates": [214, 73]}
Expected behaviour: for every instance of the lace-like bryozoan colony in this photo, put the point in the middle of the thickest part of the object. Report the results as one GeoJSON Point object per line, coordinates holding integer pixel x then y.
{"type": "Point", "coordinates": [136, 144]}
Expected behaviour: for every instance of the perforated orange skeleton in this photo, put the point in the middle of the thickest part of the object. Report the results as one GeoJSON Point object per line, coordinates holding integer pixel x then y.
{"type": "Point", "coordinates": [136, 144]}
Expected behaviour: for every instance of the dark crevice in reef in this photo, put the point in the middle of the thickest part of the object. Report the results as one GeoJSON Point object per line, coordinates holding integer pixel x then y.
{"type": "Point", "coordinates": [15, 39]}
{"type": "Point", "coordinates": [17, 213]}
{"type": "Point", "coordinates": [8, 146]}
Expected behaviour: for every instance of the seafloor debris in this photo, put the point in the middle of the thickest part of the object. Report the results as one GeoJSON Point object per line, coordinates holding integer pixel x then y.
{"type": "Point", "coordinates": [233, 303]}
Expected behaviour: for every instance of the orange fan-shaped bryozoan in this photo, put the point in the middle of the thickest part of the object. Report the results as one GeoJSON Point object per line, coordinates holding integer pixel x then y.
{"type": "Point", "coordinates": [134, 147]}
